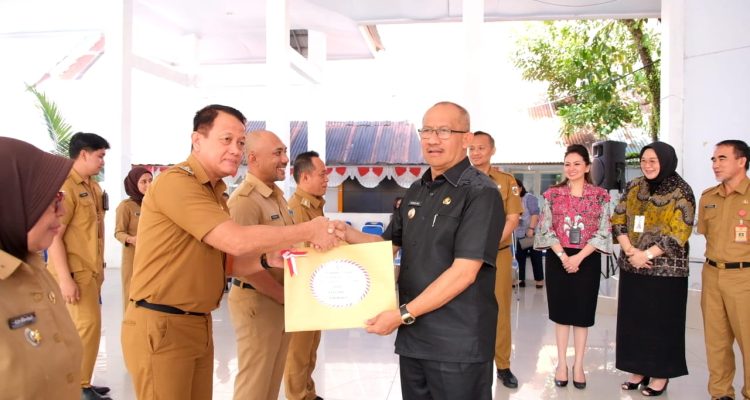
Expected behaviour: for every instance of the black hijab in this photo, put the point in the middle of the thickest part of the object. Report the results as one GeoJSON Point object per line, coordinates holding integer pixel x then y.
{"type": "Point", "coordinates": [667, 163]}
{"type": "Point", "coordinates": [30, 178]}
{"type": "Point", "coordinates": [131, 183]}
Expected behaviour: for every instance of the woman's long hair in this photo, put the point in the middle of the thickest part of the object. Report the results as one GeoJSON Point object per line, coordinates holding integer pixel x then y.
{"type": "Point", "coordinates": [581, 151]}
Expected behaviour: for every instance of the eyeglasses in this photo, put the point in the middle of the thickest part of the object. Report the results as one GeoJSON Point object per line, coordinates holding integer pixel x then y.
{"type": "Point", "coordinates": [58, 201]}
{"type": "Point", "coordinates": [442, 133]}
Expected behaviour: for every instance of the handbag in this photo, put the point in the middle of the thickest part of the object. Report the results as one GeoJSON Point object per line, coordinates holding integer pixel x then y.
{"type": "Point", "coordinates": [526, 242]}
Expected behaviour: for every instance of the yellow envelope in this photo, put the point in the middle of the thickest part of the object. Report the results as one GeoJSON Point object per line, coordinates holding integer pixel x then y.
{"type": "Point", "coordinates": [341, 288]}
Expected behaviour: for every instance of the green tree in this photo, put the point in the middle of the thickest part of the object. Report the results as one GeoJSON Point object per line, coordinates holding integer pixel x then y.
{"type": "Point", "coordinates": [602, 74]}
{"type": "Point", "coordinates": [59, 130]}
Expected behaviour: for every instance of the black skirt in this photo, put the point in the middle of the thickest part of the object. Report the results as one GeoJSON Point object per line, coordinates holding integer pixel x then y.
{"type": "Point", "coordinates": [571, 298]}
{"type": "Point", "coordinates": [651, 325]}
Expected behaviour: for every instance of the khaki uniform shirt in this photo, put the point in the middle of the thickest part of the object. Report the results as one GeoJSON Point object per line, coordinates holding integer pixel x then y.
{"type": "Point", "coordinates": [254, 203]}
{"type": "Point", "coordinates": [84, 221]}
{"type": "Point", "coordinates": [40, 351]}
{"type": "Point", "coordinates": [718, 214]}
{"type": "Point", "coordinates": [305, 207]}
{"type": "Point", "coordinates": [126, 224]}
{"type": "Point", "coordinates": [509, 192]}
{"type": "Point", "coordinates": [172, 264]}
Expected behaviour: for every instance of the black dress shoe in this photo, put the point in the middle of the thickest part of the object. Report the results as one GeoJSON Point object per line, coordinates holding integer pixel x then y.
{"type": "Point", "coordinates": [725, 398]}
{"type": "Point", "coordinates": [560, 382]}
{"type": "Point", "coordinates": [100, 389]}
{"type": "Point", "coordinates": [651, 392]}
{"type": "Point", "coordinates": [89, 394]}
{"type": "Point", "coordinates": [509, 380]}
{"type": "Point", "coordinates": [627, 385]}
{"type": "Point", "coordinates": [578, 385]}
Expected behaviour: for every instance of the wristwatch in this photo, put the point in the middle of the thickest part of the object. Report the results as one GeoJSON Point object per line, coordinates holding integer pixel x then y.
{"type": "Point", "coordinates": [648, 254]}
{"type": "Point", "coordinates": [406, 317]}
{"type": "Point", "coordinates": [560, 254]}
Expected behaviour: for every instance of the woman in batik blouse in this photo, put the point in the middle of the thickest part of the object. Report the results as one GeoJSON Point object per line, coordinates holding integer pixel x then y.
{"type": "Point", "coordinates": [652, 223]}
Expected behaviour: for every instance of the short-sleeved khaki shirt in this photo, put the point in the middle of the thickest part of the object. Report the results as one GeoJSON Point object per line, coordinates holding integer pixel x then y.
{"type": "Point", "coordinates": [172, 264]}
{"type": "Point", "coordinates": [305, 207]}
{"type": "Point", "coordinates": [84, 225]}
{"type": "Point", "coordinates": [39, 346]}
{"type": "Point", "coordinates": [254, 203]}
{"type": "Point", "coordinates": [126, 224]}
{"type": "Point", "coordinates": [718, 214]}
{"type": "Point", "coordinates": [510, 193]}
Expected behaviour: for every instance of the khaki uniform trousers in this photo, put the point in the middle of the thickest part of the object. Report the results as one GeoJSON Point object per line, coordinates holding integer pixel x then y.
{"type": "Point", "coordinates": [725, 299]}
{"type": "Point", "coordinates": [87, 317]}
{"type": "Point", "coordinates": [261, 344]}
{"type": "Point", "coordinates": [300, 364]}
{"type": "Point", "coordinates": [503, 286]}
{"type": "Point", "coordinates": [168, 356]}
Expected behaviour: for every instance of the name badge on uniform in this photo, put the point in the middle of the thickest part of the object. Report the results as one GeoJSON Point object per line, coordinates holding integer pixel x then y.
{"type": "Point", "coordinates": [574, 235]}
{"type": "Point", "coordinates": [21, 320]}
{"type": "Point", "coordinates": [639, 224]}
{"type": "Point", "coordinates": [275, 217]}
{"type": "Point", "coordinates": [84, 194]}
{"type": "Point", "coordinates": [415, 203]}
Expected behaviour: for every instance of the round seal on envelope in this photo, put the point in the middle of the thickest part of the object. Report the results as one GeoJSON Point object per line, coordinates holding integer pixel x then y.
{"type": "Point", "coordinates": [340, 283]}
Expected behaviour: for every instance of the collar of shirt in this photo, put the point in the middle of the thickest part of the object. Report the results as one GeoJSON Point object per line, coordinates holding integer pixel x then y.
{"type": "Point", "coordinates": [741, 188]}
{"type": "Point", "coordinates": [201, 175]}
{"type": "Point", "coordinates": [315, 201]}
{"type": "Point", "coordinates": [262, 188]}
{"type": "Point", "coordinates": [9, 264]}
{"type": "Point", "coordinates": [77, 178]}
{"type": "Point", "coordinates": [452, 175]}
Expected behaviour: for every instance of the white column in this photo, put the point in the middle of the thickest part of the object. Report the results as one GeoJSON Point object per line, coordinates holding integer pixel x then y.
{"type": "Point", "coordinates": [119, 41]}
{"type": "Point", "coordinates": [316, 122]}
{"type": "Point", "coordinates": [277, 63]}
{"type": "Point", "coordinates": [673, 75]}
{"type": "Point", "coordinates": [473, 18]}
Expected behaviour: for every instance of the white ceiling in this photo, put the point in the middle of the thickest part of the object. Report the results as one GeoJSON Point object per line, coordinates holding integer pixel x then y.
{"type": "Point", "coordinates": [189, 32]}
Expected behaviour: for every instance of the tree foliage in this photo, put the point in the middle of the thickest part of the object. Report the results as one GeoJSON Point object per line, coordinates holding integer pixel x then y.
{"type": "Point", "coordinates": [59, 130]}
{"type": "Point", "coordinates": [602, 74]}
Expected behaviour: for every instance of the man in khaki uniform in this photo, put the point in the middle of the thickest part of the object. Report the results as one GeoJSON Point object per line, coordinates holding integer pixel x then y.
{"type": "Point", "coordinates": [306, 203]}
{"type": "Point", "coordinates": [77, 253]}
{"type": "Point", "coordinates": [481, 151]}
{"type": "Point", "coordinates": [723, 216]}
{"type": "Point", "coordinates": [185, 236]}
{"type": "Point", "coordinates": [256, 301]}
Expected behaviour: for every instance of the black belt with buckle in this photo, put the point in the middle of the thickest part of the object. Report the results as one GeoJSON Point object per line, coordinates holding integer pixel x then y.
{"type": "Point", "coordinates": [729, 265]}
{"type": "Point", "coordinates": [166, 309]}
{"type": "Point", "coordinates": [237, 282]}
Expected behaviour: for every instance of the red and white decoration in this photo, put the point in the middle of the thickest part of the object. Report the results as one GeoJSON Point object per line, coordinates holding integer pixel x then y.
{"type": "Point", "coordinates": [371, 176]}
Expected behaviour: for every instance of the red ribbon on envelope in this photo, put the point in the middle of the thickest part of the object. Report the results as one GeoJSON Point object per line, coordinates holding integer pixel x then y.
{"type": "Point", "coordinates": [289, 256]}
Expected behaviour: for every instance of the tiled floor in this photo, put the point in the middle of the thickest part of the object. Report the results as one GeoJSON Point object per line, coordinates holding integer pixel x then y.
{"type": "Point", "coordinates": [355, 365]}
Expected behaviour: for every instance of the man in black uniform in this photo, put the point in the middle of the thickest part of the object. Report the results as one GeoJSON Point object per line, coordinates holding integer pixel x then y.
{"type": "Point", "coordinates": [448, 227]}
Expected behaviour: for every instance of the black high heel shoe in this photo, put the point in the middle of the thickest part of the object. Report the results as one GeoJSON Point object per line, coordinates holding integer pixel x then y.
{"type": "Point", "coordinates": [561, 383]}
{"type": "Point", "coordinates": [627, 385]}
{"type": "Point", "coordinates": [651, 392]}
{"type": "Point", "coordinates": [578, 385]}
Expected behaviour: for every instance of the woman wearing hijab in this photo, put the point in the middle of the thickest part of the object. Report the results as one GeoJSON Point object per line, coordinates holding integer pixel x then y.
{"type": "Point", "coordinates": [40, 347]}
{"type": "Point", "coordinates": [652, 223]}
{"type": "Point", "coordinates": [126, 226]}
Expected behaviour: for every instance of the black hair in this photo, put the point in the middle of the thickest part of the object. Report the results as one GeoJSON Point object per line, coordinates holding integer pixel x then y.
{"type": "Point", "coordinates": [482, 133]}
{"type": "Point", "coordinates": [520, 186]}
{"type": "Point", "coordinates": [740, 149]}
{"type": "Point", "coordinates": [204, 118]}
{"type": "Point", "coordinates": [303, 163]}
{"type": "Point", "coordinates": [581, 151]}
{"type": "Point", "coordinates": [85, 141]}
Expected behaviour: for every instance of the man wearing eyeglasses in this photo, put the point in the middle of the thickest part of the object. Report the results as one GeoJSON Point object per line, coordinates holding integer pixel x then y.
{"type": "Point", "coordinates": [448, 227]}
{"type": "Point", "coordinates": [481, 150]}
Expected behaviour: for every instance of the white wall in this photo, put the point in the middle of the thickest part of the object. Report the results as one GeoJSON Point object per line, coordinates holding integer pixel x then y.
{"type": "Point", "coordinates": [716, 85]}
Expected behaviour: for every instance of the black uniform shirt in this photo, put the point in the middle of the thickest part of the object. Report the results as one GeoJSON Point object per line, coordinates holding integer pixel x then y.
{"type": "Point", "coordinates": [457, 215]}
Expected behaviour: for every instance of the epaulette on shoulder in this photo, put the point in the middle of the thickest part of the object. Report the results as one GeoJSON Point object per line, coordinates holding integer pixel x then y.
{"type": "Point", "coordinates": [187, 169]}
{"type": "Point", "coordinates": [712, 188]}
{"type": "Point", "coordinates": [245, 189]}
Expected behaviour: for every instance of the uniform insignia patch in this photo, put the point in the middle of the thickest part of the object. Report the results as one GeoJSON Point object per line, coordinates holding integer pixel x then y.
{"type": "Point", "coordinates": [33, 336]}
{"type": "Point", "coordinates": [411, 213]}
{"type": "Point", "coordinates": [514, 189]}
{"type": "Point", "coordinates": [187, 169]}
{"type": "Point", "coordinates": [275, 217]}
{"type": "Point", "coordinates": [84, 194]}
{"type": "Point", "coordinates": [447, 201]}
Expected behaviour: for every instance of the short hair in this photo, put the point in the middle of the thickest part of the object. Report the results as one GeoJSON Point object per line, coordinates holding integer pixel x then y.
{"type": "Point", "coordinates": [482, 133]}
{"type": "Point", "coordinates": [204, 118]}
{"type": "Point", "coordinates": [85, 141]}
{"type": "Point", "coordinates": [462, 111]}
{"type": "Point", "coordinates": [740, 149]}
{"type": "Point", "coordinates": [303, 163]}
{"type": "Point", "coordinates": [523, 191]}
